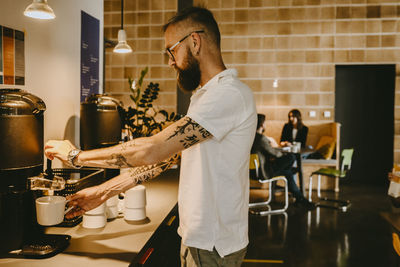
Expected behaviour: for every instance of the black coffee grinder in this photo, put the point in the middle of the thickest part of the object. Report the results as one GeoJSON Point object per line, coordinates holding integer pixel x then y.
{"type": "Point", "coordinates": [101, 125]}
{"type": "Point", "coordinates": [21, 157]}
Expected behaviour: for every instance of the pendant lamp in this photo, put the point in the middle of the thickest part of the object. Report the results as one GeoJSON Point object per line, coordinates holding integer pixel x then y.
{"type": "Point", "coordinates": [122, 46]}
{"type": "Point", "coordinates": [39, 9]}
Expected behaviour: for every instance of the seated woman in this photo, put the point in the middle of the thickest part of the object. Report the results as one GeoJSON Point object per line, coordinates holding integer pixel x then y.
{"type": "Point", "coordinates": [294, 130]}
{"type": "Point", "coordinates": [274, 162]}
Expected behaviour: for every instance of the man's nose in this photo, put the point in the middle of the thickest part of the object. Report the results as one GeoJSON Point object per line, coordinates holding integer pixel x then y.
{"type": "Point", "coordinates": [171, 62]}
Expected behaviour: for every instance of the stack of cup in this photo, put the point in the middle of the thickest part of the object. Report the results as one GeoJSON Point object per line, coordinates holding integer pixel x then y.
{"type": "Point", "coordinates": [135, 203]}
{"type": "Point", "coordinates": [95, 218]}
{"type": "Point", "coordinates": [112, 207]}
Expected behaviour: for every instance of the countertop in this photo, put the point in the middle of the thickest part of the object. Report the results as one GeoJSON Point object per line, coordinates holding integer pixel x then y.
{"type": "Point", "coordinates": [119, 241]}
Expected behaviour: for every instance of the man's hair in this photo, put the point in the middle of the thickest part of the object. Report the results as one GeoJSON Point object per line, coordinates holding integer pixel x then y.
{"type": "Point", "coordinates": [260, 120]}
{"type": "Point", "coordinates": [198, 15]}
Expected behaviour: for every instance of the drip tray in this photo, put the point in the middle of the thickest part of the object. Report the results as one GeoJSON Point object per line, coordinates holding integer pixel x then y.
{"type": "Point", "coordinates": [45, 246]}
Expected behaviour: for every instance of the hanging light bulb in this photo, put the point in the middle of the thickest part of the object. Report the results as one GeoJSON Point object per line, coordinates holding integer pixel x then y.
{"type": "Point", "coordinates": [39, 9]}
{"type": "Point", "coordinates": [122, 46]}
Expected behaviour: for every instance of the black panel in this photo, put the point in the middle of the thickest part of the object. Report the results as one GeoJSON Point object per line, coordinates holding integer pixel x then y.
{"type": "Point", "coordinates": [364, 102]}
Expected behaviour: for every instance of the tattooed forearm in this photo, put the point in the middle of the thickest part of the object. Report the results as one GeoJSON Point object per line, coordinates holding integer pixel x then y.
{"type": "Point", "coordinates": [136, 176]}
{"type": "Point", "coordinates": [190, 125]}
{"type": "Point", "coordinates": [144, 173]}
{"type": "Point", "coordinates": [188, 141]}
{"type": "Point", "coordinates": [118, 160]}
{"type": "Point", "coordinates": [204, 132]}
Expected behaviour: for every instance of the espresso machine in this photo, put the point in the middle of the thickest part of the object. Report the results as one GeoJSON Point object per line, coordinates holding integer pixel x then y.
{"type": "Point", "coordinates": [21, 157]}
{"type": "Point", "coordinates": [22, 179]}
{"type": "Point", "coordinates": [101, 125]}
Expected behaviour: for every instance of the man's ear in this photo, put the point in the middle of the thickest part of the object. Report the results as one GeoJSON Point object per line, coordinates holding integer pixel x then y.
{"type": "Point", "coordinates": [196, 43]}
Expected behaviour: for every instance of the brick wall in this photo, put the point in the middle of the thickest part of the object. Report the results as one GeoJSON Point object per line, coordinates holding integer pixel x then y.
{"type": "Point", "coordinates": [297, 42]}
{"type": "Point", "coordinates": [143, 20]}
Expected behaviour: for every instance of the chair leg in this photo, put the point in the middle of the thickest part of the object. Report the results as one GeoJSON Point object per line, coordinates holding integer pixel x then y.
{"type": "Point", "coordinates": [310, 189]}
{"type": "Point", "coordinates": [265, 204]}
{"type": "Point", "coordinates": [342, 204]}
{"type": "Point", "coordinates": [319, 186]}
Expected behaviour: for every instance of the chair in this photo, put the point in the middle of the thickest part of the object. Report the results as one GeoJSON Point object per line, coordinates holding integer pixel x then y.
{"type": "Point", "coordinates": [255, 175]}
{"type": "Point", "coordinates": [333, 173]}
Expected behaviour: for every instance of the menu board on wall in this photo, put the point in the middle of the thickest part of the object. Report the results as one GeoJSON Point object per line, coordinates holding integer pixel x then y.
{"type": "Point", "coordinates": [19, 58]}
{"type": "Point", "coordinates": [1, 55]}
{"type": "Point", "coordinates": [12, 56]}
{"type": "Point", "coordinates": [90, 38]}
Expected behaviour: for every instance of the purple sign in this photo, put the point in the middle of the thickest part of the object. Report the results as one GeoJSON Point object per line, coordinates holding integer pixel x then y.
{"type": "Point", "coordinates": [90, 38]}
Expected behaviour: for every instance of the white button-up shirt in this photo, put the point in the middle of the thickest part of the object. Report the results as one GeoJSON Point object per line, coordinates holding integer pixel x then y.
{"type": "Point", "coordinates": [214, 180]}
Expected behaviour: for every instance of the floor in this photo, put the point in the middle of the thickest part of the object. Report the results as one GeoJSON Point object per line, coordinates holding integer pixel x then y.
{"type": "Point", "coordinates": [327, 237]}
{"type": "Point", "coordinates": [319, 238]}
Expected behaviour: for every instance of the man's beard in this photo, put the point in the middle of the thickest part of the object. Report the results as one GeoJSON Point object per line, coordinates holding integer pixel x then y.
{"type": "Point", "coordinates": [189, 77]}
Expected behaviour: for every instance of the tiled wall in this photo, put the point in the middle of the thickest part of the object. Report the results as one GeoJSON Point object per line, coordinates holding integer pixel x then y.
{"type": "Point", "coordinates": [297, 42]}
{"type": "Point", "coordinates": [143, 20]}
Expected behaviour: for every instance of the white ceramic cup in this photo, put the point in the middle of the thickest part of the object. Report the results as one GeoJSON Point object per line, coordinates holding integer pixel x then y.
{"type": "Point", "coordinates": [135, 197]}
{"type": "Point", "coordinates": [98, 210]}
{"type": "Point", "coordinates": [296, 147]}
{"type": "Point", "coordinates": [135, 214]}
{"type": "Point", "coordinates": [112, 207]}
{"type": "Point", "coordinates": [112, 201]}
{"type": "Point", "coordinates": [94, 221]}
{"type": "Point", "coordinates": [50, 210]}
{"type": "Point", "coordinates": [112, 212]}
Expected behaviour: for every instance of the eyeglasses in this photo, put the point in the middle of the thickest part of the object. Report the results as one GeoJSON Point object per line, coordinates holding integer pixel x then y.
{"type": "Point", "coordinates": [170, 49]}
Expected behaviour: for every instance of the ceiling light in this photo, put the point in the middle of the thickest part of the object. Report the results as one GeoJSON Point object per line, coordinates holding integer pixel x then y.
{"type": "Point", "coordinates": [39, 9]}
{"type": "Point", "coordinates": [122, 46]}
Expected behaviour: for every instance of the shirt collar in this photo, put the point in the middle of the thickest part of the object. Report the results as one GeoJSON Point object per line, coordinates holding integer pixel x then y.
{"type": "Point", "coordinates": [214, 80]}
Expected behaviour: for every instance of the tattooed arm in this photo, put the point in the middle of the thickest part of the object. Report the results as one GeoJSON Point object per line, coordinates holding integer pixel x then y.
{"type": "Point", "coordinates": [138, 152]}
{"type": "Point", "coordinates": [149, 153]}
{"type": "Point", "coordinates": [92, 197]}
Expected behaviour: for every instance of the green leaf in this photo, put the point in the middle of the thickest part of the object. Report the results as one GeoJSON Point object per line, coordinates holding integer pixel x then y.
{"type": "Point", "coordinates": [142, 74]}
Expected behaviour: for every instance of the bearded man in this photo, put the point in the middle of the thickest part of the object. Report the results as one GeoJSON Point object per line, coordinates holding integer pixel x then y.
{"type": "Point", "coordinates": [215, 138]}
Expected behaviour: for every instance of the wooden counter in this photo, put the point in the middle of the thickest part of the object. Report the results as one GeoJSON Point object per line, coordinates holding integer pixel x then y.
{"type": "Point", "coordinates": [119, 241]}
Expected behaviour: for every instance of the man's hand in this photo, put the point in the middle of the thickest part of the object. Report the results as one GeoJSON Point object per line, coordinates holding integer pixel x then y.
{"type": "Point", "coordinates": [58, 149]}
{"type": "Point", "coordinates": [85, 200]}
{"type": "Point", "coordinates": [285, 143]}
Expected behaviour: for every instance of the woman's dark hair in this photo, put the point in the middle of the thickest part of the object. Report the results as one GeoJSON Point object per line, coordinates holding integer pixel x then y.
{"type": "Point", "coordinates": [260, 120]}
{"type": "Point", "coordinates": [198, 15]}
{"type": "Point", "coordinates": [296, 113]}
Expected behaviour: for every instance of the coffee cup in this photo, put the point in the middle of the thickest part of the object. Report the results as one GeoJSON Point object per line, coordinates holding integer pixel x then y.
{"type": "Point", "coordinates": [99, 210]}
{"type": "Point", "coordinates": [296, 147]}
{"type": "Point", "coordinates": [135, 203]}
{"type": "Point", "coordinates": [135, 197]}
{"type": "Point", "coordinates": [50, 210]}
{"type": "Point", "coordinates": [95, 218]}
{"type": "Point", "coordinates": [94, 221]}
{"type": "Point", "coordinates": [135, 214]}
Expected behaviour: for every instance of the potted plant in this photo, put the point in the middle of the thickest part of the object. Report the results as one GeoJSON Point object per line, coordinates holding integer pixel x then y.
{"type": "Point", "coordinates": [142, 118]}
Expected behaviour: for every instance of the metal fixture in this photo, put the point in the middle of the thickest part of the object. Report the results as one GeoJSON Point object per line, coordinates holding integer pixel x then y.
{"type": "Point", "coordinates": [122, 46]}
{"type": "Point", "coordinates": [39, 9]}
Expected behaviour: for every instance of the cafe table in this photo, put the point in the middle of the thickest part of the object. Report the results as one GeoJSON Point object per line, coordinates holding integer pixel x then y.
{"type": "Point", "coordinates": [299, 166]}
